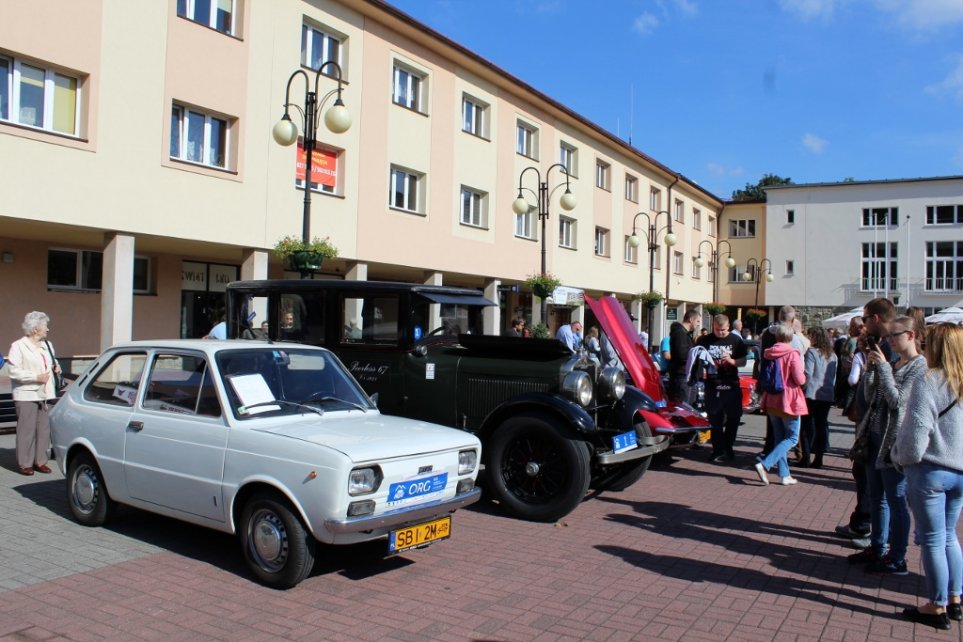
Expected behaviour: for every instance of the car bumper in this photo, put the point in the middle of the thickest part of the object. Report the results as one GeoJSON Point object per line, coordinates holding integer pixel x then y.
{"type": "Point", "coordinates": [402, 516]}
{"type": "Point", "coordinates": [648, 446]}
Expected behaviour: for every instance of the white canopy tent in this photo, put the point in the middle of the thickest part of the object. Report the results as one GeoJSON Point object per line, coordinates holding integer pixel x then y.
{"type": "Point", "coordinates": [841, 321]}
{"type": "Point", "coordinates": [948, 315]}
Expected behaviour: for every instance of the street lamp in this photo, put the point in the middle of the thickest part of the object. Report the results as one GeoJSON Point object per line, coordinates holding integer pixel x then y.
{"type": "Point", "coordinates": [285, 132]}
{"type": "Point", "coordinates": [651, 239]}
{"type": "Point", "coordinates": [521, 206]}
{"type": "Point", "coordinates": [714, 256]}
{"type": "Point", "coordinates": [754, 271]}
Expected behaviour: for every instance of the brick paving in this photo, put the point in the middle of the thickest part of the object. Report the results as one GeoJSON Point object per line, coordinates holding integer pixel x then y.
{"type": "Point", "coordinates": [694, 552]}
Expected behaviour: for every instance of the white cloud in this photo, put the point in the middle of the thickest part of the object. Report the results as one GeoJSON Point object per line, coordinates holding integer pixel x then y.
{"type": "Point", "coordinates": [924, 14]}
{"type": "Point", "coordinates": [810, 9]}
{"type": "Point", "coordinates": [814, 143]}
{"type": "Point", "coordinates": [718, 169]}
{"type": "Point", "coordinates": [952, 84]}
{"type": "Point", "coordinates": [687, 7]}
{"type": "Point", "coordinates": [645, 24]}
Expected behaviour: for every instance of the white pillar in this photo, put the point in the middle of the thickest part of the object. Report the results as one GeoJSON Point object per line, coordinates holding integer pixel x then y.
{"type": "Point", "coordinates": [434, 314]}
{"type": "Point", "coordinates": [117, 291]}
{"type": "Point", "coordinates": [492, 314]}
{"type": "Point", "coordinates": [355, 271]}
{"type": "Point", "coordinates": [255, 265]}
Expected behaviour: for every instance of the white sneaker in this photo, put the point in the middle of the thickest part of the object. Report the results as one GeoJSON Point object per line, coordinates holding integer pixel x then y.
{"type": "Point", "coordinates": [788, 481]}
{"type": "Point", "coordinates": [762, 474]}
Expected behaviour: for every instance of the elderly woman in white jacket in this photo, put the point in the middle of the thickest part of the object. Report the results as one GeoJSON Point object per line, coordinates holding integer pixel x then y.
{"type": "Point", "coordinates": [31, 374]}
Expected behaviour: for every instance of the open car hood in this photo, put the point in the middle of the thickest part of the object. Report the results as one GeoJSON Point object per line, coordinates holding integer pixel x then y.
{"type": "Point", "coordinates": [618, 326]}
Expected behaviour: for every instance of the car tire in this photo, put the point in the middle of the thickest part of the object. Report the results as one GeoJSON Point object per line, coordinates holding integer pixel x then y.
{"type": "Point", "coordinates": [536, 470]}
{"type": "Point", "coordinates": [620, 476]}
{"type": "Point", "coordinates": [90, 503]}
{"type": "Point", "coordinates": [277, 547]}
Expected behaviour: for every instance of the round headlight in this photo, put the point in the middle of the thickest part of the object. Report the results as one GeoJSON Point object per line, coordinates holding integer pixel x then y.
{"type": "Point", "coordinates": [577, 386]}
{"type": "Point", "coordinates": [611, 384]}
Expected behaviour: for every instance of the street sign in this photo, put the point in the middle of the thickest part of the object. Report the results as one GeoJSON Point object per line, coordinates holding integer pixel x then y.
{"type": "Point", "coordinates": [671, 314]}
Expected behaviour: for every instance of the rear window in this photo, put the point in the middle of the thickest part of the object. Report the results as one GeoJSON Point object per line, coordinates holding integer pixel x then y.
{"type": "Point", "coordinates": [118, 382]}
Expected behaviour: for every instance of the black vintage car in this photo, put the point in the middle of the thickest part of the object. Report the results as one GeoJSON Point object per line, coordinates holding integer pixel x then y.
{"type": "Point", "coordinates": [551, 422]}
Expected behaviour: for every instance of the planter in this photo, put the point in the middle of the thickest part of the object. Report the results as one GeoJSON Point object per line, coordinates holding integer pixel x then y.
{"type": "Point", "coordinates": [305, 261]}
{"type": "Point", "coordinates": [541, 291]}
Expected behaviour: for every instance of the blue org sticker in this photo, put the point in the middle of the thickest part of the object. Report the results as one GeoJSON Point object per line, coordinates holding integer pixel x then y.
{"type": "Point", "coordinates": [417, 332]}
{"type": "Point", "coordinates": [417, 487]}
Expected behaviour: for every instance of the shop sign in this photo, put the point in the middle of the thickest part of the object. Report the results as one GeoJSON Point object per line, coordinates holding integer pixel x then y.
{"type": "Point", "coordinates": [324, 167]}
{"type": "Point", "coordinates": [194, 276]}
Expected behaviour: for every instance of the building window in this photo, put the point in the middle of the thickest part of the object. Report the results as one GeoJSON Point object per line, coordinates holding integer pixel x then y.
{"type": "Point", "coordinates": [677, 263]}
{"type": "Point", "coordinates": [408, 87]}
{"type": "Point", "coordinates": [790, 217]}
{"type": "Point", "coordinates": [568, 157]}
{"type": "Point", "coordinates": [526, 140]}
{"type": "Point", "coordinates": [474, 116]}
{"type": "Point", "coordinates": [790, 268]}
{"type": "Point", "coordinates": [696, 271]}
{"type": "Point", "coordinates": [696, 219]}
{"type": "Point", "coordinates": [39, 97]}
{"type": "Point", "coordinates": [657, 258]}
{"type": "Point", "coordinates": [601, 241]}
{"type": "Point", "coordinates": [198, 137]}
{"type": "Point", "coordinates": [216, 14]}
{"type": "Point", "coordinates": [736, 272]}
{"type": "Point", "coordinates": [941, 214]}
{"type": "Point", "coordinates": [406, 190]}
{"type": "Point", "coordinates": [880, 216]}
{"type": "Point", "coordinates": [655, 199]}
{"type": "Point", "coordinates": [319, 47]}
{"type": "Point", "coordinates": [878, 267]}
{"type": "Point", "coordinates": [742, 228]}
{"type": "Point", "coordinates": [524, 227]}
{"type": "Point", "coordinates": [679, 212]}
{"type": "Point", "coordinates": [325, 170]}
{"type": "Point", "coordinates": [631, 189]}
{"type": "Point", "coordinates": [83, 270]}
{"type": "Point", "coordinates": [474, 207]}
{"type": "Point", "coordinates": [630, 253]}
{"type": "Point", "coordinates": [602, 178]}
{"type": "Point", "coordinates": [944, 266]}
{"type": "Point", "coordinates": [711, 226]}
{"type": "Point", "coordinates": [566, 232]}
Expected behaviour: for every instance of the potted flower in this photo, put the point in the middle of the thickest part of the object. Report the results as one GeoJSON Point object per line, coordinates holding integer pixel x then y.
{"type": "Point", "coordinates": [543, 284]}
{"type": "Point", "coordinates": [540, 331]}
{"type": "Point", "coordinates": [715, 308]}
{"type": "Point", "coordinates": [305, 257]}
{"type": "Point", "coordinates": [650, 299]}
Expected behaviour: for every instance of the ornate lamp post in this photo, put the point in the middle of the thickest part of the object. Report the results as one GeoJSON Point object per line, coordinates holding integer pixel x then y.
{"type": "Point", "coordinates": [714, 257]}
{"type": "Point", "coordinates": [285, 132]}
{"type": "Point", "coordinates": [651, 238]}
{"type": "Point", "coordinates": [754, 271]}
{"type": "Point", "coordinates": [521, 206]}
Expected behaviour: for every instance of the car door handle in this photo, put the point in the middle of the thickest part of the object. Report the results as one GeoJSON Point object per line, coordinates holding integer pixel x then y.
{"type": "Point", "coordinates": [136, 426]}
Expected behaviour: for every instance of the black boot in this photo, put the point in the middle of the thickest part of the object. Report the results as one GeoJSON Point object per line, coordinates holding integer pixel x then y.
{"type": "Point", "coordinates": [803, 462]}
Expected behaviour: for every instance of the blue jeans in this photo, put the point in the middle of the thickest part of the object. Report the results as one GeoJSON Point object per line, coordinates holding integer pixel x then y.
{"type": "Point", "coordinates": [936, 495]}
{"type": "Point", "coordinates": [785, 434]}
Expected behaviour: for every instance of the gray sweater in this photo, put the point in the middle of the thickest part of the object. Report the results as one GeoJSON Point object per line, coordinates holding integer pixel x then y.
{"type": "Point", "coordinates": [924, 438]}
{"type": "Point", "coordinates": [820, 375]}
{"type": "Point", "coordinates": [890, 390]}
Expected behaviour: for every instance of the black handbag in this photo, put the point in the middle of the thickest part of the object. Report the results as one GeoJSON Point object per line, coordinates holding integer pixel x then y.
{"type": "Point", "coordinates": [859, 452]}
{"type": "Point", "coordinates": [59, 381]}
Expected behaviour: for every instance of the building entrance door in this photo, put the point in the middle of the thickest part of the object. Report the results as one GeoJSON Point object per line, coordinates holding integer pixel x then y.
{"type": "Point", "coordinates": [203, 298]}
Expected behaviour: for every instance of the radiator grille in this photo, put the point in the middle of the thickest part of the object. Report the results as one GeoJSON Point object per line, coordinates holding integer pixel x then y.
{"type": "Point", "coordinates": [485, 393]}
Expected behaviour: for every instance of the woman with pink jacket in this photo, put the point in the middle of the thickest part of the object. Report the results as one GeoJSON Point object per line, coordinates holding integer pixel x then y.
{"type": "Point", "coordinates": [784, 408]}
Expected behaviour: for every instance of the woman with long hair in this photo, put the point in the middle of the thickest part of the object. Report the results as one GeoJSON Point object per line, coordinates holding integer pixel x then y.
{"type": "Point", "coordinates": [820, 367]}
{"type": "Point", "coordinates": [929, 447]}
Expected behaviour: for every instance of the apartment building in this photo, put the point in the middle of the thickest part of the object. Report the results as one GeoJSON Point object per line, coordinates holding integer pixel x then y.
{"type": "Point", "coordinates": [142, 175]}
{"type": "Point", "coordinates": [835, 246]}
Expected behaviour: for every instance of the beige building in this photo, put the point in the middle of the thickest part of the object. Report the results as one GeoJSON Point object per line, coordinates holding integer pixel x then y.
{"type": "Point", "coordinates": [141, 175]}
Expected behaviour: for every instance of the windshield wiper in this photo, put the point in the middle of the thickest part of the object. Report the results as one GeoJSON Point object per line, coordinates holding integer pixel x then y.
{"type": "Point", "coordinates": [245, 410]}
{"type": "Point", "coordinates": [338, 399]}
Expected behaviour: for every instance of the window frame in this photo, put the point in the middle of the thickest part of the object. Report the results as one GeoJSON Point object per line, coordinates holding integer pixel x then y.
{"type": "Point", "coordinates": [568, 158]}
{"type": "Point", "coordinates": [678, 213]}
{"type": "Point", "coordinates": [567, 232]}
{"type": "Point", "coordinates": [328, 35]}
{"type": "Point", "coordinates": [876, 270]}
{"type": "Point", "coordinates": [85, 267]}
{"type": "Point", "coordinates": [480, 116]}
{"type": "Point", "coordinates": [602, 244]}
{"type": "Point", "coordinates": [603, 175]}
{"type": "Point", "coordinates": [530, 139]}
{"type": "Point", "coordinates": [711, 226]}
{"type": "Point", "coordinates": [414, 97]}
{"type": "Point", "coordinates": [932, 215]}
{"type": "Point", "coordinates": [790, 217]}
{"type": "Point", "coordinates": [410, 177]}
{"type": "Point", "coordinates": [891, 213]}
{"type": "Point", "coordinates": [479, 202]}
{"type": "Point", "coordinates": [526, 223]}
{"type": "Point", "coordinates": [183, 132]}
{"type": "Point", "coordinates": [739, 225]}
{"type": "Point", "coordinates": [211, 23]}
{"type": "Point", "coordinates": [630, 253]}
{"type": "Point", "coordinates": [951, 267]}
{"type": "Point", "coordinates": [696, 219]}
{"type": "Point", "coordinates": [13, 90]}
{"type": "Point", "coordinates": [655, 199]}
{"type": "Point", "coordinates": [631, 188]}
{"type": "Point", "coordinates": [790, 267]}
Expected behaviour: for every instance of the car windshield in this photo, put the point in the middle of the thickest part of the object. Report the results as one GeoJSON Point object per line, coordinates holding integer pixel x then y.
{"type": "Point", "coordinates": [272, 381]}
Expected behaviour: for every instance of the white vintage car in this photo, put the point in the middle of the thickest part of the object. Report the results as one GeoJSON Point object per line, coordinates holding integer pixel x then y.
{"type": "Point", "coordinates": [277, 443]}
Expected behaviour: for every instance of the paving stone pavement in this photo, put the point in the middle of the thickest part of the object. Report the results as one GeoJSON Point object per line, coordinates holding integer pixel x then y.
{"type": "Point", "coordinates": [694, 552]}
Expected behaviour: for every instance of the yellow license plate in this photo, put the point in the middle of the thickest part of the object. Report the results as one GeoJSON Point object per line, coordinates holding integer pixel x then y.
{"type": "Point", "coordinates": [420, 535]}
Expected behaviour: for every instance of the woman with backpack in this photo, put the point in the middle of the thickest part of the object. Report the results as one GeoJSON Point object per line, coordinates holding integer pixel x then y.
{"type": "Point", "coordinates": [782, 378]}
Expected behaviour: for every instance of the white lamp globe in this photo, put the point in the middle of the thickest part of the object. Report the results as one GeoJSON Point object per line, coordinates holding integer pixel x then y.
{"type": "Point", "coordinates": [699, 261]}
{"type": "Point", "coordinates": [520, 206]}
{"type": "Point", "coordinates": [337, 119]}
{"type": "Point", "coordinates": [746, 276]}
{"type": "Point", "coordinates": [285, 132]}
{"type": "Point", "coordinates": [635, 241]}
{"type": "Point", "coordinates": [730, 262]}
{"type": "Point", "coordinates": [670, 239]}
{"type": "Point", "coordinates": [769, 277]}
{"type": "Point", "coordinates": [567, 201]}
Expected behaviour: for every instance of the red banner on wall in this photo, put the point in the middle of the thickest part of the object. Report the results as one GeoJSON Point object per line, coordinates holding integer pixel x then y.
{"type": "Point", "coordinates": [324, 167]}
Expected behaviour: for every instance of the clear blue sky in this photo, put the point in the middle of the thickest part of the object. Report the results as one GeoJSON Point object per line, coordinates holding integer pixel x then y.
{"type": "Point", "coordinates": [725, 91]}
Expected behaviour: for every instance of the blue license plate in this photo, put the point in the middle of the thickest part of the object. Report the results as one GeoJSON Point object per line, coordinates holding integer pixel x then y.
{"type": "Point", "coordinates": [625, 441]}
{"type": "Point", "coordinates": [417, 487]}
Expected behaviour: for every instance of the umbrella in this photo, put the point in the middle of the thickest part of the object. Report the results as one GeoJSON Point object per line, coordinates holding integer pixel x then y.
{"type": "Point", "coordinates": [841, 321]}
{"type": "Point", "coordinates": [948, 315]}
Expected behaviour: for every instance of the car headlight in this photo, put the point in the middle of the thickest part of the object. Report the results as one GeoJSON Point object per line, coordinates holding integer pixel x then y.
{"type": "Point", "coordinates": [467, 460]}
{"type": "Point", "coordinates": [577, 386]}
{"type": "Point", "coordinates": [612, 383]}
{"type": "Point", "coordinates": [362, 481]}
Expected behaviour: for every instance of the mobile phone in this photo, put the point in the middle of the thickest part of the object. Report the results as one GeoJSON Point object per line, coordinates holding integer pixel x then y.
{"type": "Point", "coordinates": [872, 341]}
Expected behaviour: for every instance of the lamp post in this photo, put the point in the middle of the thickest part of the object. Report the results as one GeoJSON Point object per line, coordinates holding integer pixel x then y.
{"type": "Point", "coordinates": [521, 206]}
{"type": "Point", "coordinates": [714, 256]}
{"type": "Point", "coordinates": [651, 239]}
{"type": "Point", "coordinates": [285, 132]}
{"type": "Point", "coordinates": [754, 271]}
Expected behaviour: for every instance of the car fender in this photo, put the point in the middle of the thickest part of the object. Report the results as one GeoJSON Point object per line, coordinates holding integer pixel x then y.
{"type": "Point", "coordinates": [111, 469]}
{"type": "Point", "coordinates": [568, 412]}
{"type": "Point", "coordinates": [663, 419]}
{"type": "Point", "coordinates": [236, 496]}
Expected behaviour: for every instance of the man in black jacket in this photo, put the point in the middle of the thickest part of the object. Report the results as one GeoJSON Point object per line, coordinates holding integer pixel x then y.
{"type": "Point", "coordinates": [680, 341]}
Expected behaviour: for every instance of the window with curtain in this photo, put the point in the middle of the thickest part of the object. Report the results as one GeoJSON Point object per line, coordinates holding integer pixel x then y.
{"type": "Point", "coordinates": [39, 97]}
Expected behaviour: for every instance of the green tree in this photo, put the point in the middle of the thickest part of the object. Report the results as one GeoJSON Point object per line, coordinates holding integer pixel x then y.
{"type": "Point", "coordinates": [756, 192]}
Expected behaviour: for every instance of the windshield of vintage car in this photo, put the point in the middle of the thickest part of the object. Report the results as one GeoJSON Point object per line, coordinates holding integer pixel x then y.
{"type": "Point", "coordinates": [297, 381]}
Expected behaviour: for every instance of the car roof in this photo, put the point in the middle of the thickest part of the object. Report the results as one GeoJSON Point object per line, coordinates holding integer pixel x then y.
{"type": "Point", "coordinates": [210, 345]}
